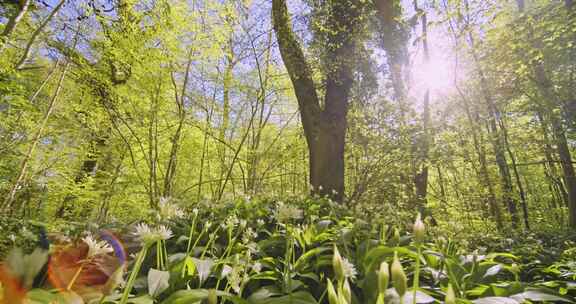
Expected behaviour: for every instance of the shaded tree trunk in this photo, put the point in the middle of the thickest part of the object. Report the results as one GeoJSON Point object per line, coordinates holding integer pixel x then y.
{"type": "Point", "coordinates": [324, 128]}
{"type": "Point", "coordinates": [497, 140]}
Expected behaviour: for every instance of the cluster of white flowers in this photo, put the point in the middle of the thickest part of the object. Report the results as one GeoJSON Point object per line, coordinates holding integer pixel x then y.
{"type": "Point", "coordinates": [257, 267]}
{"type": "Point", "coordinates": [148, 235]}
{"type": "Point", "coordinates": [237, 274]}
{"type": "Point", "coordinates": [349, 269]}
{"type": "Point", "coordinates": [285, 212]}
{"type": "Point", "coordinates": [249, 235]}
{"type": "Point", "coordinates": [167, 210]}
{"type": "Point", "coordinates": [96, 247]}
{"type": "Point", "coordinates": [232, 221]}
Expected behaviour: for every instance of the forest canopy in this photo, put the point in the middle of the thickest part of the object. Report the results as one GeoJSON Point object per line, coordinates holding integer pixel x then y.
{"type": "Point", "coordinates": [287, 151]}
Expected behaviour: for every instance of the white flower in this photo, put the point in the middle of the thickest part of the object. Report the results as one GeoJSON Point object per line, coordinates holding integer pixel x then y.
{"type": "Point", "coordinates": [232, 221]}
{"type": "Point", "coordinates": [285, 212]}
{"type": "Point", "coordinates": [164, 232]}
{"type": "Point", "coordinates": [148, 235]}
{"type": "Point", "coordinates": [253, 247]}
{"type": "Point", "coordinates": [96, 247]}
{"type": "Point", "coordinates": [349, 269]}
{"type": "Point", "coordinates": [145, 234]}
{"type": "Point", "coordinates": [12, 237]}
{"type": "Point", "coordinates": [169, 210]}
{"type": "Point", "coordinates": [195, 211]}
{"type": "Point", "coordinates": [257, 267]}
{"type": "Point", "coordinates": [226, 270]}
{"type": "Point", "coordinates": [260, 222]}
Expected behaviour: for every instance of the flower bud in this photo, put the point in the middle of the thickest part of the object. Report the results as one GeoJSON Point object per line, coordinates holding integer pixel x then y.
{"type": "Point", "coordinates": [332, 296]}
{"type": "Point", "coordinates": [399, 280]}
{"type": "Point", "coordinates": [396, 237]}
{"type": "Point", "coordinates": [347, 292]}
{"type": "Point", "coordinates": [515, 268]}
{"type": "Point", "coordinates": [450, 295]}
{"type": "Point", "coordinates": [419, 230]}
{"type": "Point", "coordinates": [337, 264]}
{"type": "Point", "coordinates": [383, 277]}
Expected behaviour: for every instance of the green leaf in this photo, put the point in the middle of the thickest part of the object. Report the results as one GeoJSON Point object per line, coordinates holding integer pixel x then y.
{"type": "Point", "coordinates": [421, 297]}
{"type": "Point", "coordinates": [145, 299]}
{"type": "Point", "coordinates": [300, 297]}
{"type": "Point", "coordinates": [158, 281]}
{"type": "Point", "coordinates": [303, 259]}
{"type": "Point", "coordinates": [494, 270]}
{"type": "Point", "coordinates": [264, 293]}
{"type": "Point", "coordinates": [187, 296]}
{"type": "Point", "coordinates": [495, 300]}
{"type": "Point", "coordinates": [40, 296]}
{"type": "Point", "coordinates": [537, 295]}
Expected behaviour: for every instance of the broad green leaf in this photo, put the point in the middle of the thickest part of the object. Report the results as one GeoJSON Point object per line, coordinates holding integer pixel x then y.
{"type": "Point", "coordinates": [495, 300]}
{"type": "Point", "coordinates": [494, 270]}
{"type": "Point", "coordinates": [300, 297]}
{"type": "Point", "coordinates": [539, 296]}
{"type": "Point", "coordinates": [158, 281]}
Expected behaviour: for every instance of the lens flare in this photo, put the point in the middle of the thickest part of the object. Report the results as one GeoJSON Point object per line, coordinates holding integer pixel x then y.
{"type": "Point", "coordinates": [71, 269]}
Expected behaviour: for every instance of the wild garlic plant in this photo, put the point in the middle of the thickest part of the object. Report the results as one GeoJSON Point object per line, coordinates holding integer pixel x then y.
{"type": "Point", "coordinates": [148, 237]}
{"type": "Point", "coordinates": [95, 248]}
{"type": "Point", "coordinates": [399, 279]}
{"type": "Point", "coordinates": [344, 271]}
{"type": "Point", "coordinates": [419, 231]}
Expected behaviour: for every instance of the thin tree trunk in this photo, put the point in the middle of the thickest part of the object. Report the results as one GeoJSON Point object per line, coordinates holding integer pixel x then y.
{"type": "Point", "coordinates": [175, 144]}
{"type": "Point", "coordinates": [485, 174]}
{"type": "Point", "coordinates": [546, 88]}
{"type": "Point", "coordinates": [423, 145]}
{"type": "Point", "coordinates": [13, 22]}
{"type": "Point", "coordinates": [521, 191]}
{"type": "Point", "coordinates": [37, 32]}
{"type": "Point", "coordinates": [9, 201]}
{"type": "Point", "coordinates": [497, 140]}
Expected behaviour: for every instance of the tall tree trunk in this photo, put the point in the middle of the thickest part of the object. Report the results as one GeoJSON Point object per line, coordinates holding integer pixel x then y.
{"type": "Point", "coordinates": [37, 32]}
{"type": "Point", "coordinates": [521, 191]}
{"type": "Point", "coordinates": [497, 138]}
{"type": "Point", "coordinates": [550, 102]}
{"type": "Point", "coordinates": [13, 22]}
{"type": "Point", "coordinates": [481, 152]}
{"type": "Point", "coordinates": [423, 144]}
{"type": "Point", "coordinates": [550, 163]}
{"type": "Point", "coordinates": [324, 128]}
{"type": "Point", "coordinates": [175, 142]}
{"type": "Point", "coordinates": [9, 201]}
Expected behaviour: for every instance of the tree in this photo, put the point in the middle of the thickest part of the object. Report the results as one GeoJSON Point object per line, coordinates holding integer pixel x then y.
{"type": "Point", "coordinates": [324, 126]}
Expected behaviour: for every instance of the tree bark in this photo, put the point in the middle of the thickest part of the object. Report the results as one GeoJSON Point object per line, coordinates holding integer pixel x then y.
{"type": "Point", "coordinates": [324, 128]}
{"type": "Point", "coordinates": [13, 22]}
{"type": "Point", "coordinates": [9, 201]}
{"type": "Point", "coordinates": [498, 142]}
{"type": "Point", "coordinates": [423, 144]}
{"type": "Point", "coordinates": [481, 152]}
{"type": "Point", "coordinates": [37, 32]}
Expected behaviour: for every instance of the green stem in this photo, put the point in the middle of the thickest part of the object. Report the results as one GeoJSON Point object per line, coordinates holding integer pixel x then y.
{"type": "Point", "coordinates": [134, 274]}
{"type": "Point", "coordinates": [192, 228]}
{"type": "Point", "coordinates": [417, 273]}
{"type": "Point", "coordinates": [210, 241]}
{"type": "Point", "coordinates": [74, 278]}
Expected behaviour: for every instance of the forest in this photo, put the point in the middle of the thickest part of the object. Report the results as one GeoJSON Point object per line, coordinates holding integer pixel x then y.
{"type": "Point", "coordinates": [287, 151]}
